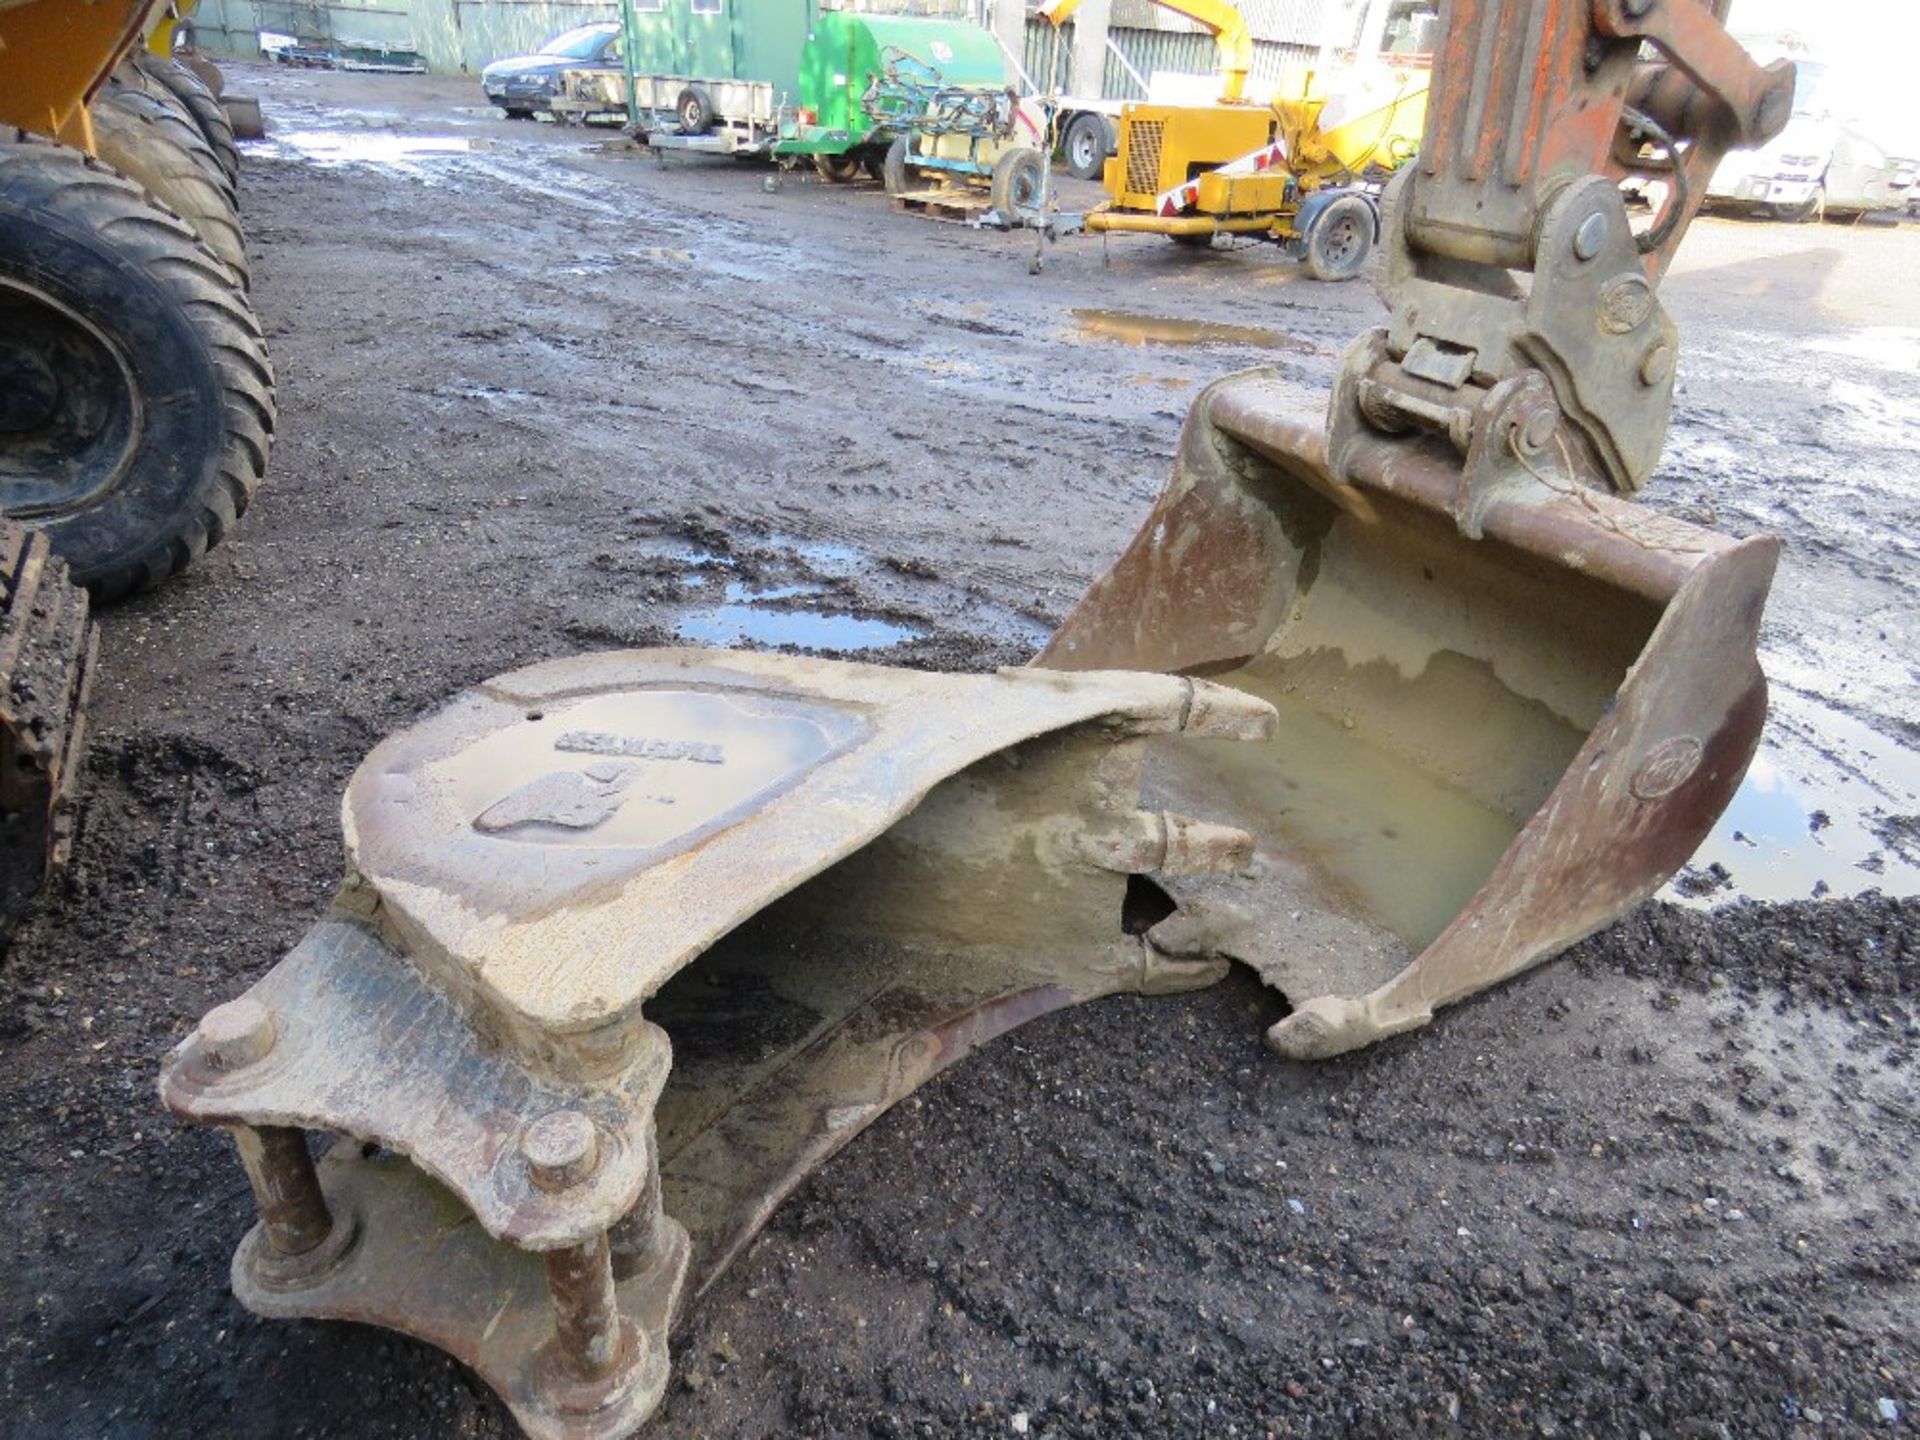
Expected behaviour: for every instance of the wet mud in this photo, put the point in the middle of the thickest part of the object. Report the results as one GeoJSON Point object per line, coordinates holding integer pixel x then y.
{"type": "Point", "coordinates": [540, 397]}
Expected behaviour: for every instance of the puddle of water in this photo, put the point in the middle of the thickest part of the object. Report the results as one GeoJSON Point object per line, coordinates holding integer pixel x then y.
{"type": "Point", "coordinates": [372, 147]}
{"type": "Point", "coordinates": [742, 616]}
{"type": "Point", "coordinates": [1406, 849]}
{"type": "Point", "coordinates": [1802, 823]}
{"type": "Point", "coordinates": [1132, 329]}
{"type": "Point", "coordinates": [491, 395]}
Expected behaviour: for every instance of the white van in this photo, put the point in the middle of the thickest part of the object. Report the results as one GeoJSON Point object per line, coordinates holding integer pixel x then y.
{"type": "Point", "coordinates": [1817, 166]}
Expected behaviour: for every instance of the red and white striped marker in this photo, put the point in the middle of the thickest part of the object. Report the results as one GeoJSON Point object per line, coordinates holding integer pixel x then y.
{"type": "Point", "coordinates": [1184, 197]}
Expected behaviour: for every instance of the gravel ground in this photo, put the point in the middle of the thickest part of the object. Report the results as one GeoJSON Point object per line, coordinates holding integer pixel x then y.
{"type": "Point", "coordinates": [538, 399]}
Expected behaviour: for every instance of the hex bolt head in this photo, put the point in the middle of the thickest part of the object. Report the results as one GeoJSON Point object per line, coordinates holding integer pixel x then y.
{"type": "Point", "coordinates": [1657, 365]}
{"type": "Point", "coordinates": [561, 1149]}
{"type": "Point", "coordinates": [236, 1034]}
{"type": "Point", "coordinates": [1591, 235]}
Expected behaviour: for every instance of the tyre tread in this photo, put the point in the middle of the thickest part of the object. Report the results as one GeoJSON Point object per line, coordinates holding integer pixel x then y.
{"type": "Point", "coordinates": [74, 189]}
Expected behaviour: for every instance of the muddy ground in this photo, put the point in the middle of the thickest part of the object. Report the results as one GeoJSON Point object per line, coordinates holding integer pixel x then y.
{"type": "Point", "coordinates": [537, 399]}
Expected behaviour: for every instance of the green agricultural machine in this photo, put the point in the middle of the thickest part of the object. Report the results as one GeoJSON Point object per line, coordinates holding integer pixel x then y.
{"type": "Point", "coordinates": [906, 97]}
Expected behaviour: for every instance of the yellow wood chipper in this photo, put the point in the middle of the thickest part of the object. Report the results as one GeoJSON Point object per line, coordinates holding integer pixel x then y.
{"type": "Point", "coordinates": [1301, 169]}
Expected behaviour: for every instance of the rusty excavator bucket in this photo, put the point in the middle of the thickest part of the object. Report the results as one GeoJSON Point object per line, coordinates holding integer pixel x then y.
{"type": "Point", "coordinates": [1487, 747]}
{"type": "Point", "coordinates": [556, 1125]}
{"type": "Point", "coordinates": [1511, 703]}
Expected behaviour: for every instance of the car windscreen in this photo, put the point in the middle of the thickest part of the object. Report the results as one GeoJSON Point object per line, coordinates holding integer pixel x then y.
{"type": "Point", "coordinates": [580, 44]}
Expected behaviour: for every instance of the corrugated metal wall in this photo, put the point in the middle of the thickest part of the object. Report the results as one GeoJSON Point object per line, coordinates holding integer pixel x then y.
{"type": "Point", "coordinates": [1184, 52]}
{"type": "Point", "coordinates": [451, 35]}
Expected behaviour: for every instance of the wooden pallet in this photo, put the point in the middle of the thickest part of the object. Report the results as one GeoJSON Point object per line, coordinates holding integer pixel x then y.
{"type": "Point", "coordinates": [946, 203]}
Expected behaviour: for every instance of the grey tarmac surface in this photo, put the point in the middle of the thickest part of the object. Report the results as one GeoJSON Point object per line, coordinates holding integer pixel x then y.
{"type": "Point", "coordinates": [538, 398]}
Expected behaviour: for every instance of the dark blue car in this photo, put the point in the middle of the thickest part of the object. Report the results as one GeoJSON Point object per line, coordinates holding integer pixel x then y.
{"type": "Point", "coordinates": [522, 84]}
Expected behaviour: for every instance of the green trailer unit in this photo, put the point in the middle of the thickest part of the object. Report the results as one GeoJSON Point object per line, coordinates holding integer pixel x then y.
{"type": "Point", "coordinates": [701, 74]}
{"type": "Point", "coordinates": [847, 108]}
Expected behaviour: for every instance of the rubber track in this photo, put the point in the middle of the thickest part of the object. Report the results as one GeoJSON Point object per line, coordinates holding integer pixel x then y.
{"type": "Point", "coordinates": [73, 188]}
{"type": "Point", "coordinates": [47, 654]}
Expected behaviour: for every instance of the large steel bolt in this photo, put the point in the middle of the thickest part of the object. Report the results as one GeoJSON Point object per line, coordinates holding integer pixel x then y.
{"type": "Point", "coordinates": [1591, 236]}
{"type": "Point", "coordinates": [1535, 427]}
{"type": "Point", "coordinates": [293, 1211]}
{"type": "Point", "coordinates": [1656, 366]}
{"type": "Point", "coordinates": [561, 1149]}
{"type": "Point", "coordinates": [236, 1034]}
{"type": "Point", "coordinates": [586, 1311]}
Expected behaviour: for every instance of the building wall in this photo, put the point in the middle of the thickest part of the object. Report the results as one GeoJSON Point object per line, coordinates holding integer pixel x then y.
{"type": "Point", "coordinates": [1189, 52]}
{"type": "Point", "coordinates": [456, 36]}
{"type": "Point", "coordinates": [452, 36]}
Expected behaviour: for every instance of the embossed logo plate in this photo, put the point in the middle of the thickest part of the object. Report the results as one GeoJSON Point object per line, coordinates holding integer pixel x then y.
{"type": "Point", "coordinates": [645, 769]}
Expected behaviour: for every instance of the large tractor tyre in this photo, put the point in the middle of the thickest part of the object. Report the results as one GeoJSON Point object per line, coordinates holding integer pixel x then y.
{"type": "Point", "coordinates": [1086, 145]}
{"type": "Point", "coordinates": [136, 399]}
{"type": "Point", "coordinates": [1016, 180]}
{"type": "Point", "coordinates": [873, 160]}
{"type": "Point", "coordinates": [694, 110]}
{"type": "Point", "coordinates": [144, 140]}
{"type": "Point", "coordinates": [839, 169]}
{"type": "Point", "coordinates": [1341, 239]}
{"type": "Point", "coordinates": [893, 170]}
{"type": "Point", "coordinates": [200, 102]}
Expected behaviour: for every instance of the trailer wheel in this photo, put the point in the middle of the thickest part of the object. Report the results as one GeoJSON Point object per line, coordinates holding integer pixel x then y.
{"type": "Point", "coordinates": [695, 111]}
{"type": "Point", "coordinates": [893, 170]}
{"type": "Point", "coordinates": [199, 101]}
{"type": "Point", "coordinates": [1086, 145]}
{"type": "Point", "coordinates": [140, 411]}
{"type": "Point", "coordinates": [165, 152]}
{"type": "Point", "coordinates": [1016, 180]}
{"type": "Point", "coordinates": [874, 161]}
{"type": "Point", "coordinates": [838, 169]}
{"type": "Point", "coordinates": [1341, 239]}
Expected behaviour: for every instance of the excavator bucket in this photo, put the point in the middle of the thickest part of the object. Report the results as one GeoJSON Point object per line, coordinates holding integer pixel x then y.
{"type": "Point", "coordinates": [576, 1067]}
{"type": "Point", "coordinates": [1500, 725]}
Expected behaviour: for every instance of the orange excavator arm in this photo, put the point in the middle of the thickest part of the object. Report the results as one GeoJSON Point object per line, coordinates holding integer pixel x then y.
{"type": "Point", "coordinates": [1231, 35]}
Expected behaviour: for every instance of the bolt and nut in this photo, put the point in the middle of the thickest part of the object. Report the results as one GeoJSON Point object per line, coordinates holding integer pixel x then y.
{"type": "Point", "coordinates": [561, 1149]}
{"type": "Point", "coordinates": [236, 1034]}
{"type": "Point", "coordinates": [1589, 239]}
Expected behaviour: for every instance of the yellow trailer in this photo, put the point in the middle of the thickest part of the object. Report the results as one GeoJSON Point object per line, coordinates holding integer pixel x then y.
{"type": "Point", "coordinates": [1299, 169]}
